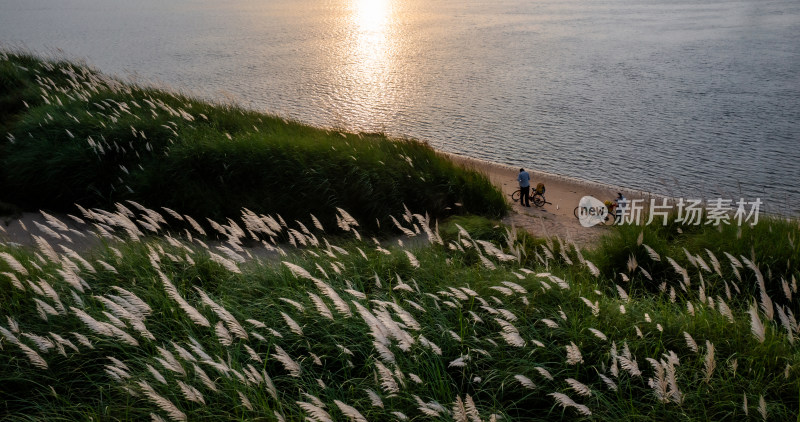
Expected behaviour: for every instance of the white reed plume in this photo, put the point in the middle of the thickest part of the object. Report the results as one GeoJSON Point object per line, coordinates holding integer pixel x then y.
{"type": "Point", "coordinates": [459, 410]}
{"type": "Point", "coordinates": [62, 341]}
{"type": "Point", "coordinates": [599, 334]}
{"type": "Point", "coordinates": [157, 375]}
{"type": "Point", "coordinates": [316, 401]}
{"type": "Point", "coordinates": [289, 364]}
{"type": "Point", "coordinates": [223, 335]}
{"type": "Point", "coordinates": [549, 323]}
{"type": "Point", "coordinates": [231, 323]}
{"type": "Point", "coordinates": [14, 280]}
{"type": "Point", "coordinates": [69, 276]}
{"type": "Point", "coordinates": [565, 402]}
{"type": "Point", "coordinates": [74, 255]}
{"type": "Point", "coordinates": [106, 266]}
{"type": "Point", "coordinates": [431, 408]}
{"type": "Point", "coordinates": [787, 290]}
{"type": "Point", "coordinates": [674, 393]}
{"type": "Point", "coordinates": [559, 282]}
{"type": "Point", "coordinates": [170, 362]}
{"type": "Point", "coordinates": [54, 222]}
{"type": "Point", "coordinates": [525, 381]}
{"type": "Point", "coordinates": [659, 383]}
{"type": "Point", "coordinates": [374, 398]}
{"type": "Point", "coordinates": [510, 333]}
{"type": "Point", "coordinates": [299, 306]}
{"type": "Point", "coordinates": [13, 263]}
{"type": "Point", "coordinates": [195, 225]}
{"type": "Point", "coordinates": [299, 271]}
{"type": "Point", "coordinates": [762, 407]}
{"type": "Point", "coordinates": [348, 219]}
{"type": "Point", "coordinates": [630, 365]}
{"type": "Point", "coordinates": [204, 378]}
{"type": "Point", "coordinates": [315, 413]}
{"type": "Point", "coordinates": [172, 292]}
{"type": "Point", "coordinates": [404, 315]}
{"type": "Point", "coordinates": [515, 287]}
{"type": "Point", "coordinates": [35, 359]}
{"type": "Point", "coordinates": [690, 342]}
{"type": "Point", "coordinates": [493, 250]}
{"type": "Point", "coordinates": [787, 323]}
{"type": "Point", "coordinates": [508, 315]}
{"type": "Point", "coordinates": [245, 401]}
{"type": "Point", "coordinates": [412, 259]}
{"type": "Point", "coordinates": [652, 253]}
{"type": "Point", "coordinates": [595, 307]}
{"type": "Point", "coordinates": [120, 312]}
{"type": "Point", "coordinates": [226, 263]}
{"type": "Point", "coordinates": [174, 413]}
{"type": "Point", "coordinates": [756, 326]}
{"type": "Point", "coordinates": [579, 387]}
{"type": "Point", "coordinates": [350, 412]}
{"type": "Point", "coordinates": [338, 303]}
{"type": "Point", "coordinates": [44, 309]}
{"type": "Point", "coordinates": [681, 271]}
{"type": "Point", "coordinates": [293, 325]}
{"type": "Point", "coordinates": [709, 363]}
{"type": "Point", "coordinates": [387, 381]}
{"type": "Point", "coordinates": [724, 310]}
{"type": "Point", "coordinates": [544, 372]}
{"type": "Point", "coordinates": [191, 393]}
{"type": "Point", "coordinates": [466, 410]}
{"type": "Point", "coordinates": [609, 383]}
{"type": "Point", "coordinates": [574, 356]}
{"type": "Point", "coordinates": [320, 305]}
{"type": "Point", "coordinates": [135, 305]}
{"type": "Point", "coordinates": [503, 290]}
{"type": "Point", "coordinates": [405, 231]}
{"type": "Point", "coordinates": [431, 345]}
{"type": "Point", "coordinates": [46, 249]}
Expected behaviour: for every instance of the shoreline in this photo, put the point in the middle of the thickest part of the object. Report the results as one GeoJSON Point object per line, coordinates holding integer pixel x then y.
{"type": "Point", "coordinates": [562, 194]}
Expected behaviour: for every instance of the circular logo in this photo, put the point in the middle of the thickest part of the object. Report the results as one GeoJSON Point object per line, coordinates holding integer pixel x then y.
{"type": "Point", "coordinates": [591, 211]}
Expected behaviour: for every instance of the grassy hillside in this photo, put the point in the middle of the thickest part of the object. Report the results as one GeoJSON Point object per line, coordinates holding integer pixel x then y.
{"type": "Point", "coordinates": [479, 324]}
{"type": "Point", "coordinates": [72, 135]}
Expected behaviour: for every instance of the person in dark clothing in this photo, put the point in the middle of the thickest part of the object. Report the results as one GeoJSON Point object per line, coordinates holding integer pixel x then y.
{"type": "Point", "coordinates": [524, 180]}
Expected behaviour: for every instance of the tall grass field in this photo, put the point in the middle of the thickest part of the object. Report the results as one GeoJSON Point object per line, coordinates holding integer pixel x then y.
{"type": "Point", "coordinates": [69, 134]}
{"type": "Point", "coordinates": [349, 310]}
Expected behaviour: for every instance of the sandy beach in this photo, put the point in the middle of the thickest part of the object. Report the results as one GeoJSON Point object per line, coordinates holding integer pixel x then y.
{"type": "Point", "coordinates": [556, 217]}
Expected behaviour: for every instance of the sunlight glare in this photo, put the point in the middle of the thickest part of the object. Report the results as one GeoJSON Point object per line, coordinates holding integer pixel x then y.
{"type": "Point", "coordinates": [371, 15]}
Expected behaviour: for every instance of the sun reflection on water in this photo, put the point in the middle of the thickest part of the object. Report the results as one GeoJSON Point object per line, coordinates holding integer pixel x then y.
{"type": "Point", "coordinates": [370, 59]}
{"type": "Point", "coordinates": [371, 15]}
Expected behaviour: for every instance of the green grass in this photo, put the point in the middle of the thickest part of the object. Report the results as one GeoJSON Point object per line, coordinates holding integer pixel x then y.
{"type": "Point", "coordinates": [461, 320]}
{"type": "Point", "coordinates": [72, 135]}
{"type": "Point", "coordinates": [442, 302]}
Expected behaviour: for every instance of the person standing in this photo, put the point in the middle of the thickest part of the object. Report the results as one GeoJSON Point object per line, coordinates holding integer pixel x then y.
{"type": "Point", "coordinates": [524, 180]}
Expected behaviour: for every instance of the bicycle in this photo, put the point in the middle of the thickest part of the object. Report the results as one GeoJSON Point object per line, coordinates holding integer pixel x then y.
{"type": "Point", "coordinates": [610, 218]}
{"type": "Point", "coordinates": [537, 195]}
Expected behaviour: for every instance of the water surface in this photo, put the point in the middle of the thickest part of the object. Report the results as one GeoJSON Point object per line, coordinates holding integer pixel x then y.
{"type": "Point", "coordinates": [679, 97]}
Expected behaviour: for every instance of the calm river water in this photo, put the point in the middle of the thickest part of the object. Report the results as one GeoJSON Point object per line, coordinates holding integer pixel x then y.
{"type": "Point", "coordinates": [683, 97]}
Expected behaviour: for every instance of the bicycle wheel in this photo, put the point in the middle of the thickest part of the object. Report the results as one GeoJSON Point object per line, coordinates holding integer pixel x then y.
{"type": "Point", "coordinates": [538, 200]}
{"type": "Point", "coordinates": [515, 196]}
{"type": "Point", "coordinates": [609, 220]}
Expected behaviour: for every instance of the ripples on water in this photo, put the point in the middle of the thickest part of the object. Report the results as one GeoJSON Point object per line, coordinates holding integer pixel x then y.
{"type": "Point", "coordinates": [668, 96]}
